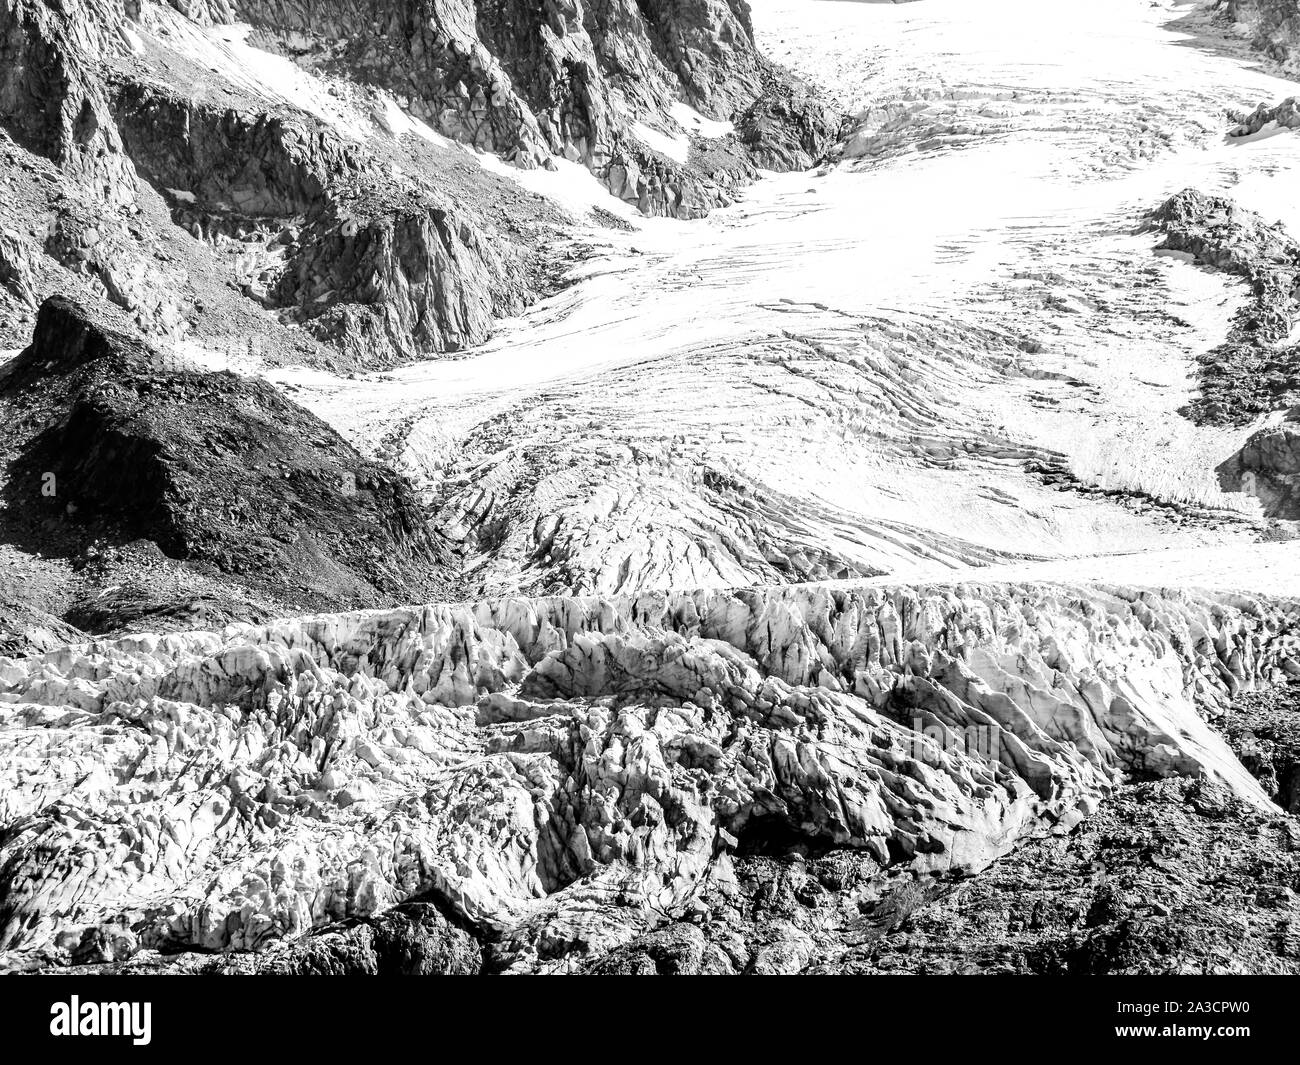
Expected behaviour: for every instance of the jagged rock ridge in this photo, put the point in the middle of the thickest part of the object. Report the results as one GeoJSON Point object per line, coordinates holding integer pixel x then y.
{"type": "Point", "coordinates": [565, 78]}
{"type": "Point", "coordinates": [1274, 26]}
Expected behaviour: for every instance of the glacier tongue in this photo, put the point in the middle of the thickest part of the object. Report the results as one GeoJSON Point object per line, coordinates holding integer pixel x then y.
{"type": "Point", "coordinates": [562, 773]}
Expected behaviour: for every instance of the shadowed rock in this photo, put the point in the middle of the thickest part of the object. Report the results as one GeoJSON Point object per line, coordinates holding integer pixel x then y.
{"type": "Point", "coordinates": [1268, 467]}
{"type": "Point", "coordinates": [214, 468]}
{"type": "Point", "coordinates": [1274, 26]}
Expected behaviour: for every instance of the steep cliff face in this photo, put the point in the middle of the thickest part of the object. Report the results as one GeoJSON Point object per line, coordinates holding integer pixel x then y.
{"type": "Point", "coordinates": [287, 201]}
{"type": "Point", "coordinates": [52, 97]}
{"type": "Point", "coordinates": [560, 776]}
{"type": "Point", "coordinates": [566, 78]}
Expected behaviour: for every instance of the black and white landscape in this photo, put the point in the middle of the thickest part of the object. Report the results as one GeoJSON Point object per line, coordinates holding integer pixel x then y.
{"type": "Point", "coordinates": [650, 486]}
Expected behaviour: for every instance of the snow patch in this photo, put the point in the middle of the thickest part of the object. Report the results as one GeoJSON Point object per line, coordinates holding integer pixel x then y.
{"type": "Point", "coordinates": [399, 122]}
{"type": "Point", "coordinates": [676, 148]}
{"type": "Point", "coordinates": [571, 185]}
{"type": "Point", "coordinates": [132, 39]}
{"type": "Point", "coordinates": [1269, 129]}
{"type": "Point", "coordinates": [226, 52]}
{"type": "Point", "coordinates": [213, 356]}
{"type": "Point", "coordinates": [690, 119]}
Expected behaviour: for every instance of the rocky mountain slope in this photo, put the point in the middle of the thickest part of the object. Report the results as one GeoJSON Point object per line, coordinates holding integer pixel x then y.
{"type": "Point", "coordinates": [535, 81]}
{"type": "Point", "coordinates": [1272, 26]}
{"type": "Point", "coordinates": [157, 132]}
{"type": "Point", "coordinates": [217, 470]}
{"type": "Point", "coordinates": [339, 207]}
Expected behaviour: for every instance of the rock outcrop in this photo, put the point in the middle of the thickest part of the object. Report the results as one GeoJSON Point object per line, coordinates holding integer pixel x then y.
{"type": "Point", "coordinates": [218, 470]}
{"type": "Point", "coordinates": [28, 630]}
{"type": "Point", "coordinates": [1263, 730]}
{"type": "Point", "coordinates": [329, 189]}
{"type": "Point", "coordinates": [1285, 115]}
{"type": "Point", "coordinates": [788, 126]}
{"type": "Point", "coordinates": [562, 776]}
{"type": "Point", "coordinates": [1273, 25]}
{"type": "Point", "coordinates": [1268, 467]}
{"type": "Point", "coordinates": [53, 100]}
{"type": "Point", "coordinates": [141, 102]}
{"type": "Point", "coordinates": [1257, 370]}
{"type": "Point", "coordinates": [381, 268]}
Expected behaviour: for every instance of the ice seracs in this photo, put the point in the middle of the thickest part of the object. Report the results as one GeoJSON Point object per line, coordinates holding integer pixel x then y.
{"type": "Point", "coordinates": [563, 774]}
